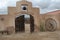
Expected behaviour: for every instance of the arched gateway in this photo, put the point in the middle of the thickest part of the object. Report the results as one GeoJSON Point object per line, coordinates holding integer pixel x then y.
{"type": "Point", "coordinates": [20, 22]}
{"type": "Point", "coordinates": [17, 20]}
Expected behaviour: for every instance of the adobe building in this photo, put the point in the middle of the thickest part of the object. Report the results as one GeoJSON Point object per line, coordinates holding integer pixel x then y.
{"type": "Point", "coordinates": [14, 21]}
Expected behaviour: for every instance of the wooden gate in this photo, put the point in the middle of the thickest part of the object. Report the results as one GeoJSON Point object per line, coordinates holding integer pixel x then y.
{"type": "Point", "coordinates": [31, 24]}
{"type": "Point", "coordinates": [19, 24]}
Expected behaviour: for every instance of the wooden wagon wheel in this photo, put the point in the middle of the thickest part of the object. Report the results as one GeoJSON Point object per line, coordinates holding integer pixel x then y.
{"type": "Point", "coordinates": [50, 25]}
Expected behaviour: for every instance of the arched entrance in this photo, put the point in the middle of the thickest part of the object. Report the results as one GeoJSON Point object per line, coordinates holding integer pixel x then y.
{"type": "Point", "coordinates": [50, 24]}
{"type": "Point", "coordinates": [20, 22]}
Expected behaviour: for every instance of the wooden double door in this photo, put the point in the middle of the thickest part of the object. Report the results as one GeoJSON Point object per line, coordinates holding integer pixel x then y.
{"type": "Point", "coordinates": [20, 24]}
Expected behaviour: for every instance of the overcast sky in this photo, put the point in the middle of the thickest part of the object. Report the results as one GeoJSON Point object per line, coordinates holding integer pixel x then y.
{"type": "Point", "coordinates": [44, 5]}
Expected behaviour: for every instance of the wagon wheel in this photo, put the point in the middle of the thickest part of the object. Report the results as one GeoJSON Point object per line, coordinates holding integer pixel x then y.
{"type": "Point", "coordinates": [50, 25]}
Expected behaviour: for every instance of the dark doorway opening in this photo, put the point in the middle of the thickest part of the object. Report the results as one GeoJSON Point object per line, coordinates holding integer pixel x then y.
{"type": "Point", "coordinates": [21, 21]}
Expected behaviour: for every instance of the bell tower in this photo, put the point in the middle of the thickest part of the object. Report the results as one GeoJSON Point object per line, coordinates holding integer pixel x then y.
{"type": "Point", "coordinates": [23, 6]}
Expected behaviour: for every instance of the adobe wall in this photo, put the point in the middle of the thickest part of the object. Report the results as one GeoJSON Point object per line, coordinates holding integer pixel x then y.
{"type": "Point", "coordinates": [56, 17]}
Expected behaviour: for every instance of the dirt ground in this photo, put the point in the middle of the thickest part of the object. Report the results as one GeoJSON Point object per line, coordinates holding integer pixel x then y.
{"type": "Point", "coordinates": [34, 36]}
